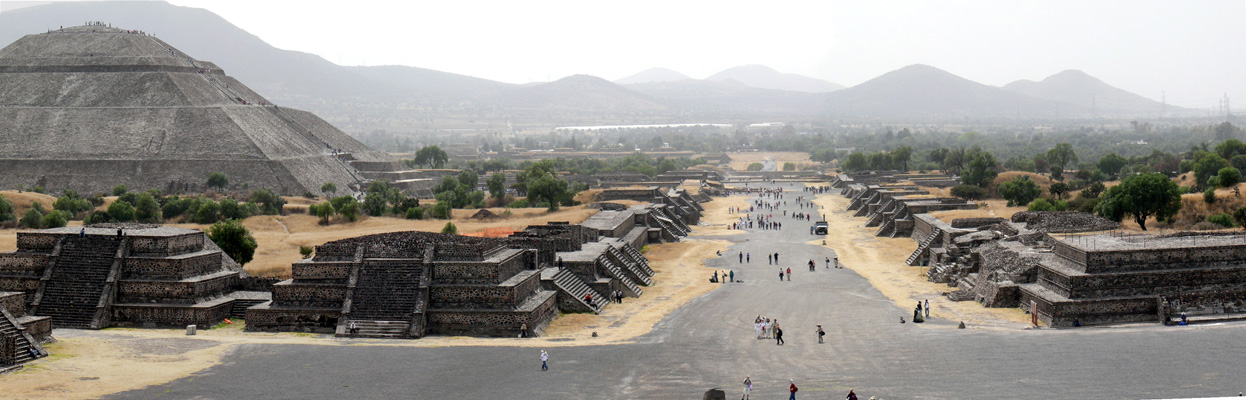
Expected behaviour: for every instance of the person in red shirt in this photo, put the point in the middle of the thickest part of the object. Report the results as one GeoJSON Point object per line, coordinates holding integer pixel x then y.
{"type": "Point", "coordinates": [792, 389]}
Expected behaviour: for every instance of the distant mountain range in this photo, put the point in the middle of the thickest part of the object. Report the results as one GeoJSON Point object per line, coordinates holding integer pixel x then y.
{"type": "Point", "coordinates": [406, 99]}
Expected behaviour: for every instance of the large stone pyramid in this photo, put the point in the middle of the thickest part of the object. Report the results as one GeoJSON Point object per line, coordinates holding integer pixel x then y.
{"type": "Point", "coordinates": [91, 107]}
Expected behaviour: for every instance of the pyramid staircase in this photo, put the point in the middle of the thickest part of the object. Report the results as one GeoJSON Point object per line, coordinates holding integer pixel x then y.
{"type": "Point", "coordinates": [935, 235]}
{"type": "Point", "coordinates": [388, 300]}
{"type": "Point", "coordinates": [628, 266]}
{"type": "Point", "coordinates": [571, 285]}
{"type": "Point", "coordinates": [615, 272]}
{"type": "Point", "coordinates": [24, 347]}
{"type": "Point", "coordinates": [80, 282]}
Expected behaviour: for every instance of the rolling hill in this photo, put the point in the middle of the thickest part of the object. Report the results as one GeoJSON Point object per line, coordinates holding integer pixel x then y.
{"type": "Point", "coordinates": [1080, 89]}
{"type": "Point", "coordinates": [652, 75]}
{"type": "Point", "coordinates": [922, 91]}
{"type": "Point", "coordinates": [763, 77]}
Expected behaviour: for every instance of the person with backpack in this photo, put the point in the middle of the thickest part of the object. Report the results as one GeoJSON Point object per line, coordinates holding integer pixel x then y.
{"type": "Point", "coordinates": [748, 387]}
{"type": "Point", "coordinates": [792, 388]}
{"type": "Point", "coordinates": [821, 333]}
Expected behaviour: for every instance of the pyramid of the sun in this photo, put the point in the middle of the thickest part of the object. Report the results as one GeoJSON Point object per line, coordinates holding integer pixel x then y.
{"type": "Point", "coordinates": [91, 107]}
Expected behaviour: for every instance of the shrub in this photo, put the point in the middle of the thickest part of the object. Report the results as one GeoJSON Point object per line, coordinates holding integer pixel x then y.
{"type": "Point", "coordinates": [450, 228]}
{"type": "Point", "coordinates": [233, 239]}
{"type": "Point", "coordinates": [1020, 190]}
{"type": "Point", "coordinates": [208, 212]}
{"type": "Point", "coordinates": [415, 213]}
{"type": "Point", "coordinates": [1093, 190]}
{"type": "Point", "coordinates": [1239, 216]}
{"type": "Point", "coordinates": [1229, 177]}
{"type": "Point", "coordinates": [147, 209]}
{"type": "Point", "coordinates": [174, 208]}
{"type": "Point", "coordinates": [350, 211]}
{"type": "Point", "coordinates": [38, 189]}
{"type": "Point", "coordinates": [1205, 226]}
{"type": "Point", "coordinates": [97, 217]}
{"type": "Point", "coordinates": [968, 192]}
{"type": "Point", "coordinates": [305, 251]}
{"type": "Point", "coordinates": [521, 203]}
{"type": "Point", "coordinates": [441, 210]}
{"type": "Point", "coordinates": [56, 219]}
{"type": "Point", "coordinates": [121, 211]}
{"type": "Point", "coordinates": [1209, 195]}
{"type": "Point", "coordinates": [6, 209]}
{"type": "Point", "coordinates": [270, 203]}
{"type": "Point", "coordinates": [118, 190]}
{"type": "Point", "coordinates": [1221, 219]}
{"type": "Point", "coordinates": [322, 210]}
{"type": "Point", "coordinates": [1046, 204]}
{"type": "Point", "coordinates": [32, 220]}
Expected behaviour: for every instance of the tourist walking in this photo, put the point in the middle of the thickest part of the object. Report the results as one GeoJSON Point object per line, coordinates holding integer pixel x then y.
{"type": "Point", "coordinates": [780, 274]}
{"type": "Point", "coordinates": [851, 395]}
{"type": "Point", "coordinates": [778, 334]}
{"type": "Point", "coordinates": [792, 388]}
{"type": "Point", "coordinates": [748, 387]}
{"type": "Point", "coordinates": [523, 330]}
{"type": "Point", "coordinates": [836, 260]}
{"type": "Point", "coordinates": [828, 262]}
{"type": "Point", "coordinates": [789, 274]}
{"type": "Point", "coordinates": [741, 257]}
{"type": "Point", "coordinates": [731, 273]}
{"type": "Point", "coordinates": [927, 308]}
{"type": "Point", "coordinates": [769, 259]}
{"type": "Point", "coordinates": [544, 358]}
{"type": "Point", "coordinates": [821, 333]}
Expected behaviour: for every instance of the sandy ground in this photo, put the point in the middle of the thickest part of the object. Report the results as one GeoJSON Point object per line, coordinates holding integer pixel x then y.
{"type": "Point", "coordinates": [740, 161]}
{"type": "Point", "coordinates": [881, 261]}
{"type": "Point", "coordinates": [716, 220]}
{"type": "Point", "coordinates": [87, 364]}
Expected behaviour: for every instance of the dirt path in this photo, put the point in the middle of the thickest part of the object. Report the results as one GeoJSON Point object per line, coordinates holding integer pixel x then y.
{"type": "Point", "coordinates": [881, 261]}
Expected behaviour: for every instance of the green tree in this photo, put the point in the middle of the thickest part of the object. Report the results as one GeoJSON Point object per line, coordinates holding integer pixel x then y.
{"type": "Point", "coordinates": [754, 167]}
{"type": "Point", "coordinates": [548, 188]}
{"type": "Point", "coordinates": [450, 229]}
{"type": "Point", "coordinates": [968, 192]}
{"type": "Point", "coordinates": [1206, 165]}
{"type": "Point", "coordinates": [1093, 190]}
{"type": "Point", "coordinates": [305, 251]}
{"type": "Point", "coordinates": [270, 203]}
{"type": "Point", "coordinates": [441, 210]}
{"type": "Point", "coordinates": [72, 203]}
{"type": "Point", "coordinates": [433, 156]}
{"type": "Point", "coordinates": [1019, 191]}
{"type": "Point", "coordinates": [56, 219]}
{"type": "Point", "coordinates": [1059, 157]}
{"type": "Point", "coordinates": [147, 209]}
{"type": "Point", "coordinates": [469, 179]}
{"type": "Point", "coordinates": [33, 219]}
{"type": "Point", "coordinates": [1059, 189]}
{"type": "Point", "coordinates": [1111, 163]}
{"type": "Point", "coordinates": [900, 156]}
{"type": "Point", "coordinates": [1043, 204]}
{"type": "Point", "coordinates": [234, 240]}
{"type": "Point", "coordinates": [1221, 219]}
{"type": "Point", "coordinates": [415, 213]}
{"type": "Point", "coordinates": [118, 190]}
{"type": "Point", "coordinates": [218, 180]}
{"type": "Point", "coordinates": [1239, 216]}
{"type": "Point", "coordinates": [1209, 195]}
{"type": "Point", "coordinates": [789, 166]}
{"type": "Point", "coordinates": [374, 204]}
{"type": "Point", "coordinates": [1228, 177]}
{"type": "Point", "coordinates": [497, 185]}
{"type": "Point", "coordinates": [349, 210]}
{"type": "Point", "coordinates": [121, 211]}
{"type": "Point", "coordinates": [1141, 196]}
{"type": "Point", "coordinates": [208, 212]}
{"type": "Point", "coordinates": [857, 161]}
{"type": "Point", "coordinates": [6, 209]}
{"type": "Point", "coordinates": [323, 210]}
{"type": "Point", "coordinates": [328, 188]}
{"type": "Point", "coordinates": [982, 168]}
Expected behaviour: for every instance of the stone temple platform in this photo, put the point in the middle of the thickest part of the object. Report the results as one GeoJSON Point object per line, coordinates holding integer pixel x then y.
{"type": "Point", "coordinates": [1106, 278]}
{"type": "Point", "coordinates": [124, 274]}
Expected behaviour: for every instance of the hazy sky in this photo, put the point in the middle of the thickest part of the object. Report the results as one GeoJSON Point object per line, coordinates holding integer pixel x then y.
{"type": "Point", "coordinates": [1193, 50]}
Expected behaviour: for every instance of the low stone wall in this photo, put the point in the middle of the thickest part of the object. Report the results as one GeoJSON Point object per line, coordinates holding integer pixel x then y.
{"type": "Point", "coordinates": [171, 267]}
{"type": "Point", "coordinates": [321, 270]}
{"type": "Point", "coordinates": [175, 292]}
{"type": "Point", "coordinates": [476, 272]}
{"type": "Point", "coordinates": [169, 315]}
{"type": "Point", "coordinates": [289, 293]}
{"type": "Point", "coordinates": [36, 242]}
{"type": "Point", "coordinates": [1091, 312]}
{"type": "Point", "coordinates": [266, 319]}
{"type": "Point", "coordinates": [497, 323]}
{"type": "Point", "coordinates": [14, 302]}
{"type": "Point", "coordinates": [163, 246]}
{"type": "Point", "coordinates": [23, 264]}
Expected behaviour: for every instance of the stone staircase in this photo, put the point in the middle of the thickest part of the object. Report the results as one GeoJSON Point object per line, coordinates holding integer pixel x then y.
{"type": "Point", "coordinates": [389, 299]}
{"type": "Point", "coordinates": [923, 246]}
{"type": "Point", "coordinates": [22, 344]}
{"type": "Point", "coordinates": [641, 261]}
{"type": "Point", "coordinates": [615, 272]}
{"type": "Point", "coordinates": [73, 292]}
{"type": "Point", "coordinates": [572, 286]}
{"type": "Point", "coordinates": [629, 266]}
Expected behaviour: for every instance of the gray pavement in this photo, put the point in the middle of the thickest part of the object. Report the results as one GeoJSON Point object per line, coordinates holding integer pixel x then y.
{"type": "Point", "coordinates": [710, 342]}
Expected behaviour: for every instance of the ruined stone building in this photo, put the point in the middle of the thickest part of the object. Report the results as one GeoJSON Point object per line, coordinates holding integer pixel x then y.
{"type": "Point", "coordinates": [91, 107]}
{"type": "Point", "coordinates": [94, 277]}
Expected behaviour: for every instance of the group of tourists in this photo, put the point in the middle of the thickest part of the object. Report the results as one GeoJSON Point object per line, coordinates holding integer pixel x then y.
{"type": "Point", "coordinates": [791, 390]}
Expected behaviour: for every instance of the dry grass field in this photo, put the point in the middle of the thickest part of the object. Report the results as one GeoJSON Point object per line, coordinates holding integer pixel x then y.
{"type": "Point", "coordinates": [740, 161]}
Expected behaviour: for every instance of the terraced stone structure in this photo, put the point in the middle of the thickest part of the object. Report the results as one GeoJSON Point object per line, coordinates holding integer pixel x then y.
{"type": "Point", "coordinates": [21, 335]}
{"type": "Point", "coordinates": [891, 208]}
{"type": "Point", "coordinates": [124, 274]}
{"type": "Point", "coordinates": [408, 285]}
{"type": "Point", "coordinates": [91, 107]}
{"type": "Point", "coordinates": [1110, 278]}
